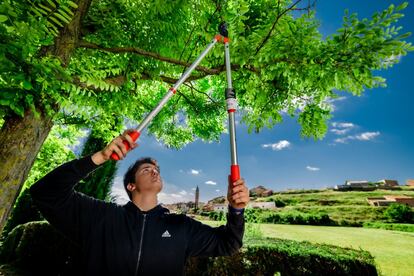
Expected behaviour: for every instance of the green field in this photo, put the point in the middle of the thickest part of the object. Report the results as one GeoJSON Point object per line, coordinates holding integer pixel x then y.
{"type": "Point", "coordinates": [393, 250]}
{"type": "Point", "coordinates": [343, 207]}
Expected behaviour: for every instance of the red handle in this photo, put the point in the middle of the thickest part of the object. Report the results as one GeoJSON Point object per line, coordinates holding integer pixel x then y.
{"type": "Point", "coordinates": [134, 135]}
{"type": "Point", "coordinates": [234, 173]}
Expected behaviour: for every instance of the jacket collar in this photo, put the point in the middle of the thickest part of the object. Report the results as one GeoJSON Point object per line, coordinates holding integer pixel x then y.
{"type": "Point", "coordinates": [157, 210]}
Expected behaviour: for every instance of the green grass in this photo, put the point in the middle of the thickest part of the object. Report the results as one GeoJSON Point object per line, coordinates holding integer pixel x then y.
{"type": "Point", "coordinates": [393, 250]}
{"type": "Point", "coordinates": [340, 206]}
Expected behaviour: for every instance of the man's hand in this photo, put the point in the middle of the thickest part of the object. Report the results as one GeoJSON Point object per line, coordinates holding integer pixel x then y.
{"type": "Point", "coordinates": [238, 194]}
{"type": "Point", "coordinates": [116, 146]}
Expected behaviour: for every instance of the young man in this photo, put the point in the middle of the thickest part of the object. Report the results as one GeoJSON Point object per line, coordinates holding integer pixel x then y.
{"type": "Point", "coordinates": [141, 237]}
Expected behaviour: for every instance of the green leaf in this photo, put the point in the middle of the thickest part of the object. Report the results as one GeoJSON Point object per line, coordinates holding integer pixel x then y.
{"type": "Point", "coordinates": [27, 85]}
{"type": "Point", "coordinates": [72, 4]}
{"type": "Point", "coordinates": [3, 18]}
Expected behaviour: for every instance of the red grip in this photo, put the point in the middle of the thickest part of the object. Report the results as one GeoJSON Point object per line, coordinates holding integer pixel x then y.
{"type": "Point", "coordinates": [134, 135]}
{"type": "Point", "coordinates": [234, 173]}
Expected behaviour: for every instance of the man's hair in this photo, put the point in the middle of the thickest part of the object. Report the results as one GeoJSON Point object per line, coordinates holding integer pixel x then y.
{"type": "Point", "coordinates": [132, 170]}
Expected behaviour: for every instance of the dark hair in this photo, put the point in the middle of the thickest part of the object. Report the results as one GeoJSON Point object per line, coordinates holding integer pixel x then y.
{"type": "Point", "coordinates": [130, 174]}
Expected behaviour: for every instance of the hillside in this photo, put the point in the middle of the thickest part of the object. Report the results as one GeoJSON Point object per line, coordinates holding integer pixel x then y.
{"type": "Point", "coordinates": [346, 208]}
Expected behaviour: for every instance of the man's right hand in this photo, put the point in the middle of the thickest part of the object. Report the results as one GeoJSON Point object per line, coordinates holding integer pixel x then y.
{"type": "Point", "coordinates": [116, 146]}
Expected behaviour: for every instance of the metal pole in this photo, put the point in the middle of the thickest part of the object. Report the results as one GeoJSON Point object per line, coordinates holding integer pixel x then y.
{"type": "Point", "coordinates": [135, 135]}
{"type": "Point", "coordinates": [231, 107]}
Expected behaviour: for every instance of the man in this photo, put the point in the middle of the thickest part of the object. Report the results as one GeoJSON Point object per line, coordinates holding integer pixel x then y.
{"type": "Point", "coordinates": [141, 237]}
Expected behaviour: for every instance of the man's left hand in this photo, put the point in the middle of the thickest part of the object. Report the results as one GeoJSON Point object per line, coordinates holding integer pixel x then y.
{"type": "Point", "coordinates": [238, 194]}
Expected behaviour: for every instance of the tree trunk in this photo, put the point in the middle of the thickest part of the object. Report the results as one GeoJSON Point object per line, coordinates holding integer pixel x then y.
{"type": "Point", "coordinates": [21, 138]}
{"type": "Point", "coordinates": [20, 141]}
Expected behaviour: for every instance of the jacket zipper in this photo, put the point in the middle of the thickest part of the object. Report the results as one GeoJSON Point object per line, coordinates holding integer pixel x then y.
{"type": "Point", "coordinates": [140, 244]}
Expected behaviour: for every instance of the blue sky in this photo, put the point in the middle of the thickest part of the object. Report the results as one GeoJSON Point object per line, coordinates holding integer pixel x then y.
{"type": "Point", "coordinates": [370, 137]}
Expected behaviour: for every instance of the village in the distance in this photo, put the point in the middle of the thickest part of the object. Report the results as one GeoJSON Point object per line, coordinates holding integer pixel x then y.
{"type": "Point", "coordinates": [259, 193]}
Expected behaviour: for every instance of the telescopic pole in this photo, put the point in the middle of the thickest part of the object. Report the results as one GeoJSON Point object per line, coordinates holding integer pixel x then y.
{"type": "Point", "coordinates": [137, 132]}
{"type": "Point", "coordinates": [231, 107]}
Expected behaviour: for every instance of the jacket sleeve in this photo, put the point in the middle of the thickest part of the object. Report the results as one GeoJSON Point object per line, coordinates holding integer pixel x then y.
{"type": "Point", "coordinates": [219, 241]}
{"type": "Point", "coordinates": [69, 211]}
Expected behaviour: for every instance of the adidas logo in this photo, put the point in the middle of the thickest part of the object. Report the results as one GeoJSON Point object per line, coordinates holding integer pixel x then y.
{"type": "Point", "coordinates": [166, 234]}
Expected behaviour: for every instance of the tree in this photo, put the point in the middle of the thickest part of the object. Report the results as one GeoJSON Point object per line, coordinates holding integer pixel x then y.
{"type": "Point", "coordinates": [97, 184]}
{"type": "Point", "coordinates": [88, 62]}
{"type": "Point", "coordinates": [55, 151]}
{"type": "Point", "coordinates": [397, 212]}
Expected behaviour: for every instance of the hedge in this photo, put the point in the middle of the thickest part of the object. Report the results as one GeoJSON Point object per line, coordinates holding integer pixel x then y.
{"type": "Point", "coordinates": [405, 227]}
{"type": "Point", "coordinates": [287, 257]}
{"type": "Point", "coordinates": [38, 248]}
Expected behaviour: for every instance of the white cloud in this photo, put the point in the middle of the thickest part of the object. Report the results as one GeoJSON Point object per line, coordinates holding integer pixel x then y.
{"type": "Point", "coordinates": [217, 191]}
{"type": "Point", "coordinates": [193, 189]}
{"type": "Point", "coordinates": [309, 168]}
{"type": "Point", "coordinates": [343, 125]}
{"type": "Point", "coordinates": [342, 140]}
{"type": "Point", "coordinates": [342, 128]}
{"type": "Point", "coordinates": [210, 182]}
{"type": "Point", "coordinates": [181, 171]}
{"type": "Point", "coordinates": [366, 136]}
{"type": "Point", "coordinates": [277, 146]}
{"type": "Point", "coordinates": [340, 131]}
{"type": "Point", "coordinates": [120, 195]}
{"type": "Point", "coordinates": [176, 195]}
{"type": "Point", "coordinates": [330, 102]}
{"type": "Point", "coordinates": [183, 193]}
{"type": "Point", "coordinates": [195, 172]}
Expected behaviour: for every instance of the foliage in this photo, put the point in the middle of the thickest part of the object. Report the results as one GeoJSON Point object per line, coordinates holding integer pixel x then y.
{"type": "Point", "coordinates": [98, 183]}
{"type": "Point", "coordinates": [281, 63]}
{"type": "Point", "coordinates": [405, 227]}
{"type": "Point", "coordinates": [270, 256]}
{"type": "Point", "coordinates": [39, 248]}
{"type": "Point", "coordinates": [344, 208]}
{"type": "Point", "coordinates": [399, 213]}
{"type": "Point", "coordinates": [296, 218]}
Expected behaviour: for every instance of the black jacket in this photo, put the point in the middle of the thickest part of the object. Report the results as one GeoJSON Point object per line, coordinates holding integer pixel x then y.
{"type": "Point", "coordinates": [123, 240]}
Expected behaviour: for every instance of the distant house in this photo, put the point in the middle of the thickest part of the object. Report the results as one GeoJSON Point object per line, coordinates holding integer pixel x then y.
{"type": "Point", "coordinates": [410, 182]}
{"type": "Point", "coordinates": [260, 191]}
{"type": "Point", "coordinates": [388, 183]}
{"type": "Point", "coordinates": [359, 185]}
{"type": "Point", "coordinates": [262, 205]}
{"type": "Point", "coordinates": [220, 207]}
{"type": "Point", "coordinates": [389, 199]}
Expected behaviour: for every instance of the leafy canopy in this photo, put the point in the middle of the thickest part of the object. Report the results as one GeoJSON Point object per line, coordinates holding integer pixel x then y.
{"type": "Point", "coordinates": [131, 51]}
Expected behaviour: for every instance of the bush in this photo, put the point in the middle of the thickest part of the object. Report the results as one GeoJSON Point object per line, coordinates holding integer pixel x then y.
{"type": "Point", "coordinates": [270, 256]}
{"type": "Point", "coordinates": [219, 216]}
{"type": "Point", "coordinates": [390, 226]}
{"type": "Point", "coordinates": [399, 213]}
{"type": "Point", "coordinates": [24, 211]}
{"type": "Point", "coordinates": [296, 218]}
{"type": "Point", "coordinates": [40, 249]}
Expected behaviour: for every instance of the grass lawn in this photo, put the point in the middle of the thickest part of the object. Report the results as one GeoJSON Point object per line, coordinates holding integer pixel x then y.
{"type": "Point", "coordinates": [393, 250]}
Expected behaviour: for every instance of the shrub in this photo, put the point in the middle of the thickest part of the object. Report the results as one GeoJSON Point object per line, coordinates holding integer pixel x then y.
{"type": "Point", "coordinates": [271, 256]}
{"type": "Point", "coordinates": [296, 218]}
{"type": "Point", "coordinates": [390, 226]}
{"type": "Point", "coordinates": [399, 213]}
{"type": "Point", "coordinates": [40, 249]}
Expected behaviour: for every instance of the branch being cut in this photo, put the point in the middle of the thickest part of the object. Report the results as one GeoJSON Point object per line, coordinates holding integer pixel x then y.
{"type": "Point", "coordinates": [207, 71]}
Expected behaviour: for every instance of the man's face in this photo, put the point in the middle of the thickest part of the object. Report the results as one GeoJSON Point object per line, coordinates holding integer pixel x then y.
{"type": "Point", "coordinates": [147, 178]}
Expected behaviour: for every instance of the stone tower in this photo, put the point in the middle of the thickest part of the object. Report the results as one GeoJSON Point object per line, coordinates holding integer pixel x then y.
{"type": "Point", "coordinates": [197, 197]}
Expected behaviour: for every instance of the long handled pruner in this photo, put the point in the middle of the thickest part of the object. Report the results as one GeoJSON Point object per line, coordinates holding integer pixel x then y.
{"type": "Point", "coordinates": [230, 100]}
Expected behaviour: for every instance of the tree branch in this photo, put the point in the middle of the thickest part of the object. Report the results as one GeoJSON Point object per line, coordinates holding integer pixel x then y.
{"type": "Point", "coordinates": [207, 71]}
{"type": "Point", "coordinates": [274, 25]}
